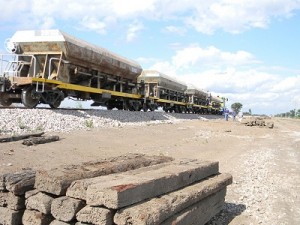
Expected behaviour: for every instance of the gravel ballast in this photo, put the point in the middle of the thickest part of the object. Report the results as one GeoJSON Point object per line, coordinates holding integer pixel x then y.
{"type": "Point", "coordinates": [18, 121]}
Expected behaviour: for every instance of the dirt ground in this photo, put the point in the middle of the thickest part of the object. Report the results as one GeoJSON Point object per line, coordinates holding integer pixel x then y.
{"type": "Point", "coordinates": [265, 163]}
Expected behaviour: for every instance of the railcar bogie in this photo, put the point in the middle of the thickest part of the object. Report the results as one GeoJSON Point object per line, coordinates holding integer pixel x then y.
{"type": "Point", "coordinates": [5, 100]}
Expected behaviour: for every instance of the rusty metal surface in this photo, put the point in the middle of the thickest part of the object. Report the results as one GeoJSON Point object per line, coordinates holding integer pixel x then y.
{"type": "Point", "coordinates": [191, 90]}
{"type": "Point", "coordinates": [19, 81]}
{"type": "Point", "coordinates": [216, 99]}
{"type": "Point", "coordinates": [163, 80]}
{"type": "Point", "coordinates": [40, 47]}
{"type": "Point", "coordinates": [77, 52]}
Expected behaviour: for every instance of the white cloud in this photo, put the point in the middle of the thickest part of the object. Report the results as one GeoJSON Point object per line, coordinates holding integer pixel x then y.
{"type": "Point", "coordinates": [93, 24]}
{"type": "Point", "coordinates": [287, 84]}
{"type": "Point", "coordinates": [132, 31]}
{"type": "Point", "coordinates": [231, 80]}
{"type": "Point", "coordinates": [263, 92]}
{"type": "Point", "coordinates": [47, 23]}
{"type": "Point", "coordinates": [194, 55]}
{"type": "Point", "coordinates": [165, 67]}
{"type": "Point", "coordinates": [214, 69]}
{"type": "Point", "coordinates": [145, 60]}
{"type": "Point", "coordinates": [175, 30]}
{"type": "Point", "coordinates": [235, 16]}
{"type": "Point", "coordinates": [204, 16]}
{"type": "Point", "coordinates": [132, 8]}
{"type": "Point", "coordinates": [9, 8]}
{"type": "Point", "coordinates": [257, 92]}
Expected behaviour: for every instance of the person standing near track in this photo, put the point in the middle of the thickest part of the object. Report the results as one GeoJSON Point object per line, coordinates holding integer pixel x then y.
{"type": "Point", "coordinates": [226, 114]}
{"type": "Point", "coordinates": [233, 115]}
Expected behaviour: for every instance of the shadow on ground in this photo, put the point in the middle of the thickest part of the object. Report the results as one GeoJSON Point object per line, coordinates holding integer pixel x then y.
{"type": "Point", "coordinates": [227, 214]}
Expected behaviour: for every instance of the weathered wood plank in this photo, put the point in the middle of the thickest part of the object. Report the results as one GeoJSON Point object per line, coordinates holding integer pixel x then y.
{"type": "Point", "coordinates": [11, 201]}
{"type": "Point", "coordinates": [156, 210]}
{"type": "Point", "coordinates": [40, 140]}
{"type": "Point", "coordinates": [20, 182]}
{"type": "Point", "coordinates": [65, 208]}
{"type": "Point", "coordinates": [95, 215]}
{"type": "Point", "coordinates": [199, 213]}
{"type": "Point", "coordinates": [34, 217]}
{"type": "Point", "coordinates": [10, 217]}
{"type": "Point", "coordinates": [116, 192]}
{"type": "Point", "coordinates": [20, 137]}
{"type": "Point", "coordinates": [56, 181]}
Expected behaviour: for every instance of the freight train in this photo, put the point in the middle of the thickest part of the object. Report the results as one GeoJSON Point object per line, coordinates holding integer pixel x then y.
{"type": "Point", "coordinates": [46, 66]}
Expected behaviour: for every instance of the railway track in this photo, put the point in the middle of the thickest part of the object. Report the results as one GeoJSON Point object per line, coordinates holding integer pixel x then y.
{"type": "Point", "coordinates": [211, 116]}
{"type": "Point", "coordinates": [48, 108]}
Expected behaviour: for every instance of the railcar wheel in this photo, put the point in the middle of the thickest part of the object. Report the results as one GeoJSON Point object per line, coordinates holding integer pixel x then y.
{"type": "Point", "coordinates": [145, 107]}
{"type": "Point", "coordinates": [55, 105]}
{"type": "Point", "coordinates": [152, 108]}
{"type": "Point", "coordinates": [29, 99]}
{"type": "Point", "coordinates": [5, 100]}
{"type": "Point", "coordinates": [126, 106]}
{"type": "Point", "coordinates": [135, 106]}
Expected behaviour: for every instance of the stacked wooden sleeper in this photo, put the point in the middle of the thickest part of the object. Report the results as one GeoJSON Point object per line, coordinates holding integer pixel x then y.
{"type": "Point", "coordinates": [132, 189]}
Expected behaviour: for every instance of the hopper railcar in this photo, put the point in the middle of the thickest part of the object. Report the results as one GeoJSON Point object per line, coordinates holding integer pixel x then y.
{"type": "Point", "coordinates": [46, 66]}
{"type": "Point", "coordinates": [163, 91]}
{"type": "Point", "coordinates": [217, 105]}
{"type": "Point", "coordinates": [198, 100]}
{"type": "Point", "coordinates": [49, 65]}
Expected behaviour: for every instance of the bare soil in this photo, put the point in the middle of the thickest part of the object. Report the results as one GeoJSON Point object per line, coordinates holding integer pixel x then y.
{"type": "Point", "coordinates": [265, 163]}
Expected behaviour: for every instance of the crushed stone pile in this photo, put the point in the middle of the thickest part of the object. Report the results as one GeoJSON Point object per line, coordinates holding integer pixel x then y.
{"type": "Point", "coordinates": [19, 121]}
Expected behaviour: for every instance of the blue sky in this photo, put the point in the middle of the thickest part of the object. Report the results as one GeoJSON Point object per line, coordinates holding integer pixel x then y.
{"type": "Point", "coordinates": [246, 50]}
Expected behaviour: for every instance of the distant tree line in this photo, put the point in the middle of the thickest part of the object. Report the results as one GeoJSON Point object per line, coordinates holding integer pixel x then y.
{"type": "Point", "coordinates": [291, 114]}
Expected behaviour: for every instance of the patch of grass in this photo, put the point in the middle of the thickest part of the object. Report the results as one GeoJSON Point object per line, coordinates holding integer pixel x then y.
{"type": "Point", "coordinates": [89, 123]}
{"type": "Point", "coordinates": [40, 128]}
{"type": "Point", "coordinates": [22, 125]}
